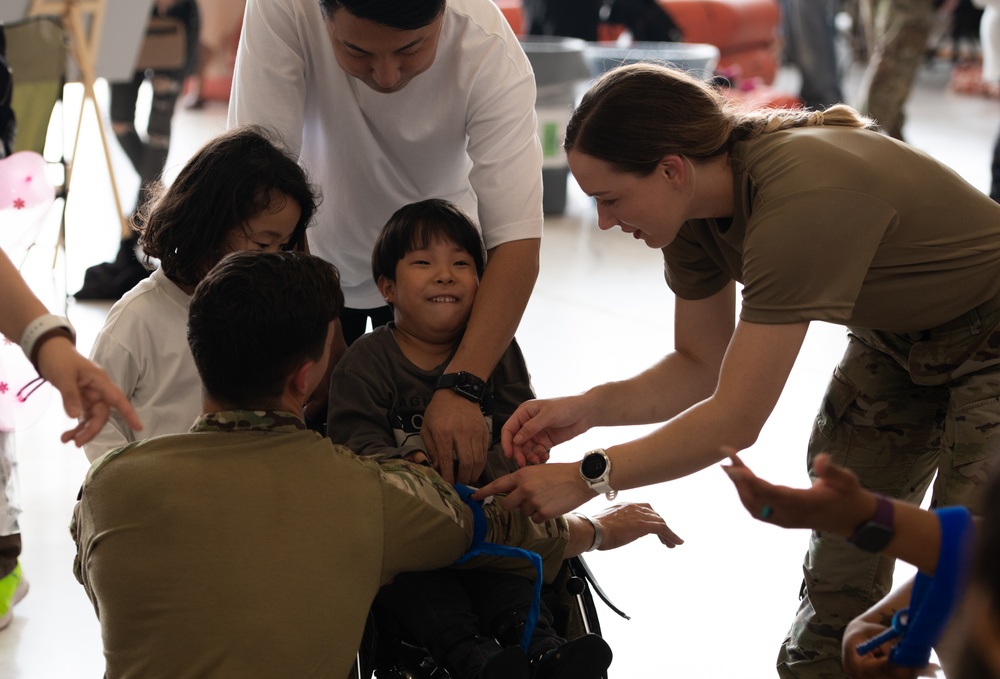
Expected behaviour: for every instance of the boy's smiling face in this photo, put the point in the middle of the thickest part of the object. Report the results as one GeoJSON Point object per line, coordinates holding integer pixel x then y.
{"type": "Point", "coordinates": [434, 290]}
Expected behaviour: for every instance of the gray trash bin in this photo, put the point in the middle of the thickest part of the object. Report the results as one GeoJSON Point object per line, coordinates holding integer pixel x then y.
{"type": "Point", "coordinates": [561, 67]}
{"type": "Point", "coordinates": [698, 59]}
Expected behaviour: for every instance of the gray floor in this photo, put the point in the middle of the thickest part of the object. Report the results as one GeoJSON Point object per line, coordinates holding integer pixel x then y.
{"type": "Point", "coordinates": [716, 607]}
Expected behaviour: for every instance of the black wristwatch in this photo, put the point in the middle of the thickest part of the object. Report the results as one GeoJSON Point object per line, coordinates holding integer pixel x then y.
{"type": "Point", "coordinates": [875, 534]}
{"type": "Point", "coordinates": [595, 470]}
{"type": "Point", "coordinates": [464, 384]}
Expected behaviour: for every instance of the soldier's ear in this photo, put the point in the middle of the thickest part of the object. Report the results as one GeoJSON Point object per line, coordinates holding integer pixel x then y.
{"type": "Point", "coordinates": [300, 381]}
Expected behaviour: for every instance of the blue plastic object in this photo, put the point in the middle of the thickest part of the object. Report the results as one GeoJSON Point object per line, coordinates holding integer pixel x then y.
{"type": "Point", "coordinates": [480, 546]}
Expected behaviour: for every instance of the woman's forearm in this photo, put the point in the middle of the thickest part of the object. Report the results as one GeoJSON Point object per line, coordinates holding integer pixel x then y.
{"type": "Point", "coordinates": [645, 398]}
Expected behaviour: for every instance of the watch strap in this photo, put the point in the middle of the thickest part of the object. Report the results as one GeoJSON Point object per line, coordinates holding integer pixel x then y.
{"type": "Point", "coordinates": [875, 533]}
{"type": "Point", "coordinates": [884, 512]}
{"type": "Point", "coordinates": [42, 329]}
{"type": "Point", "coordinates": [464, 384]}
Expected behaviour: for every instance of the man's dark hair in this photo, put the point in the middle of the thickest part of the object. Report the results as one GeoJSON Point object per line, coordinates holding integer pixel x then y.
{"type": "Point", "coordinates": [403, 15]}
{"type": "Point", "coordinates": [255, 318]}
{"type": "Point", "coordinates": [414, 226]}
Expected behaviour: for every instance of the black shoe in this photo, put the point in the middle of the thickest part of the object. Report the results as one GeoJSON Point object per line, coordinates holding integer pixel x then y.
{"type": "Point", "coordinates": [587, 657]}
{"type": "Point", "coordinates": [510, 663]}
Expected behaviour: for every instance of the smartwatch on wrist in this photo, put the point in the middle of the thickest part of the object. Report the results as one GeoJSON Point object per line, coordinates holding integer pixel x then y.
{"type": "Point", "coordinates": [875, 534]}
{"type": "Point", "coordinates": [464, 384]}
{"type": "Point", "coordinates": [595, 470]}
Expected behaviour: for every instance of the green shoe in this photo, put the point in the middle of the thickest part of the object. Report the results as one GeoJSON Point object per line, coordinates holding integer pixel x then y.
{"type": "Point", "coordinates": [13, 587]}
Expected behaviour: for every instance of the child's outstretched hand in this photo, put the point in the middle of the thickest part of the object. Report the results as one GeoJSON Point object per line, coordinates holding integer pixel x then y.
{"type": "Point", "coordinates": [836, 502]}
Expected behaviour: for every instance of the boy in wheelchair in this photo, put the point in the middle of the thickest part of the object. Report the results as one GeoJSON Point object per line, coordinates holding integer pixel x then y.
{"type": "Point", "coordinates": [427, 263]}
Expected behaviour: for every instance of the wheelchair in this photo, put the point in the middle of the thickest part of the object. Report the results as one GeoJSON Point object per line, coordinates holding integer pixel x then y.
{"type": "Point", "coordinates": [387, 653]}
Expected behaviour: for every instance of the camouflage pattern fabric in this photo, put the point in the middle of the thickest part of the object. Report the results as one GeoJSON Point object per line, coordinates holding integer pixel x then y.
{"type": "Point", "coordinates": [510, 528]}
{"type": "Point", "coordinates": [902, 28]}
{"type": "Point", "coordinates": [899, 410]}
{"type": "Point", "coordinates": [548, 539]}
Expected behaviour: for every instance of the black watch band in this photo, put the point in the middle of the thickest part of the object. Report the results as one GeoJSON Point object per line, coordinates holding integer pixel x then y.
{"type": "Point", "coordinates": [464, 384]}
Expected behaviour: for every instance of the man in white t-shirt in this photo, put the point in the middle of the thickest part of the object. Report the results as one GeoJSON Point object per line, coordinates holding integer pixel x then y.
{"type": "Point", "coordinates": [388, 102]}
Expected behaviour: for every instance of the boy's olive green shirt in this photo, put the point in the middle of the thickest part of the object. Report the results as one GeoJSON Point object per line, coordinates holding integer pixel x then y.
{"type": "Point", "coordinates": [252, 546]}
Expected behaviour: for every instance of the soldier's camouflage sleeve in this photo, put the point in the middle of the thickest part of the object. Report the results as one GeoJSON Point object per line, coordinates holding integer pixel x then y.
{"type": "Point", "coordinates": [429, 526]}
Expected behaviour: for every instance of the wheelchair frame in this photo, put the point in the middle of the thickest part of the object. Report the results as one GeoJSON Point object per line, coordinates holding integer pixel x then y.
{"type": "Point", "coordinates": [386, 653]}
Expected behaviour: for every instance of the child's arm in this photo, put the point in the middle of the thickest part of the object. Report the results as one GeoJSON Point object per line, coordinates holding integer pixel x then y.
{"type": "Point", "coordinates": [123, 372]}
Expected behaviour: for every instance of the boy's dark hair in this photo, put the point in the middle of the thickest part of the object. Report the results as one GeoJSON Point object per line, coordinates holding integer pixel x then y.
{"type": "Point", "coordinates": [255, 318]}
{"type": "Point", "coordinates": [229, 180]}
{"type": "Point", "coordinates": [414, 226]}
{"type": "Point", "coordinates": [403, 15]}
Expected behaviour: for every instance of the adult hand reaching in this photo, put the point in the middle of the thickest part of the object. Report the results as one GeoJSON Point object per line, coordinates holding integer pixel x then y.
{"type": "Point", "coordinates": [454, 430]}
{"type": "Point", "coordinates": [540, 492]}
{"type": "Point", "coordinates": [87, 392]}
{"type": "Point", "coordinates": [836, 502]}
{"type": "Point", "coordinates": [539, 425]}
{"type": "Point", "coordinates": [628, 521]}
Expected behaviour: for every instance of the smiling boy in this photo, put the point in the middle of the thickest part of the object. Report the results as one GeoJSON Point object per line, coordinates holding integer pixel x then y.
{"type": "Point", "coordinates": [427, 263]}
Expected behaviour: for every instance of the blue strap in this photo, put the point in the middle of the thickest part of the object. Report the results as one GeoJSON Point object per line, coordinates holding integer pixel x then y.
{"type": "Point", "coordinates": [480, 546]}
{"type": "Point", "coordinates": [895, 629]}
{"type": "Point", "coordinates": [934, 598]}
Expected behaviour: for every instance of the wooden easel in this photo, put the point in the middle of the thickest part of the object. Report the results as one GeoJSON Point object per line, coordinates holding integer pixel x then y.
{"type": "Point", "coordinates": [83, 48]}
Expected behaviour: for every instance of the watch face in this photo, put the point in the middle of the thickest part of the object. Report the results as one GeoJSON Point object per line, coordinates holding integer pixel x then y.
{"type": "Point", "coordinates": [593, 466]}
{"type": "Point", "coordinates": [872, 537]}
{"type": "Point", "coordinates": [469, 385]}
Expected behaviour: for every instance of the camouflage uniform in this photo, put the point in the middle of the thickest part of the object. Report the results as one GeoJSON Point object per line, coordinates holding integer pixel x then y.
{"type": "Point", "coordinates": [421, 482]}
{"type": "Point", "coordinates": [902, 28]}
{"type": "Point", "coordinates": [900, 408]}
{"type": "Point", "coordinates": [254, 547]}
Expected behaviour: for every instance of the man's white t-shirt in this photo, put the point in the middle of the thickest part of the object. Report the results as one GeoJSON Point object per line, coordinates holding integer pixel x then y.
{"type": "Point", "coordinates": [465, 130]}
